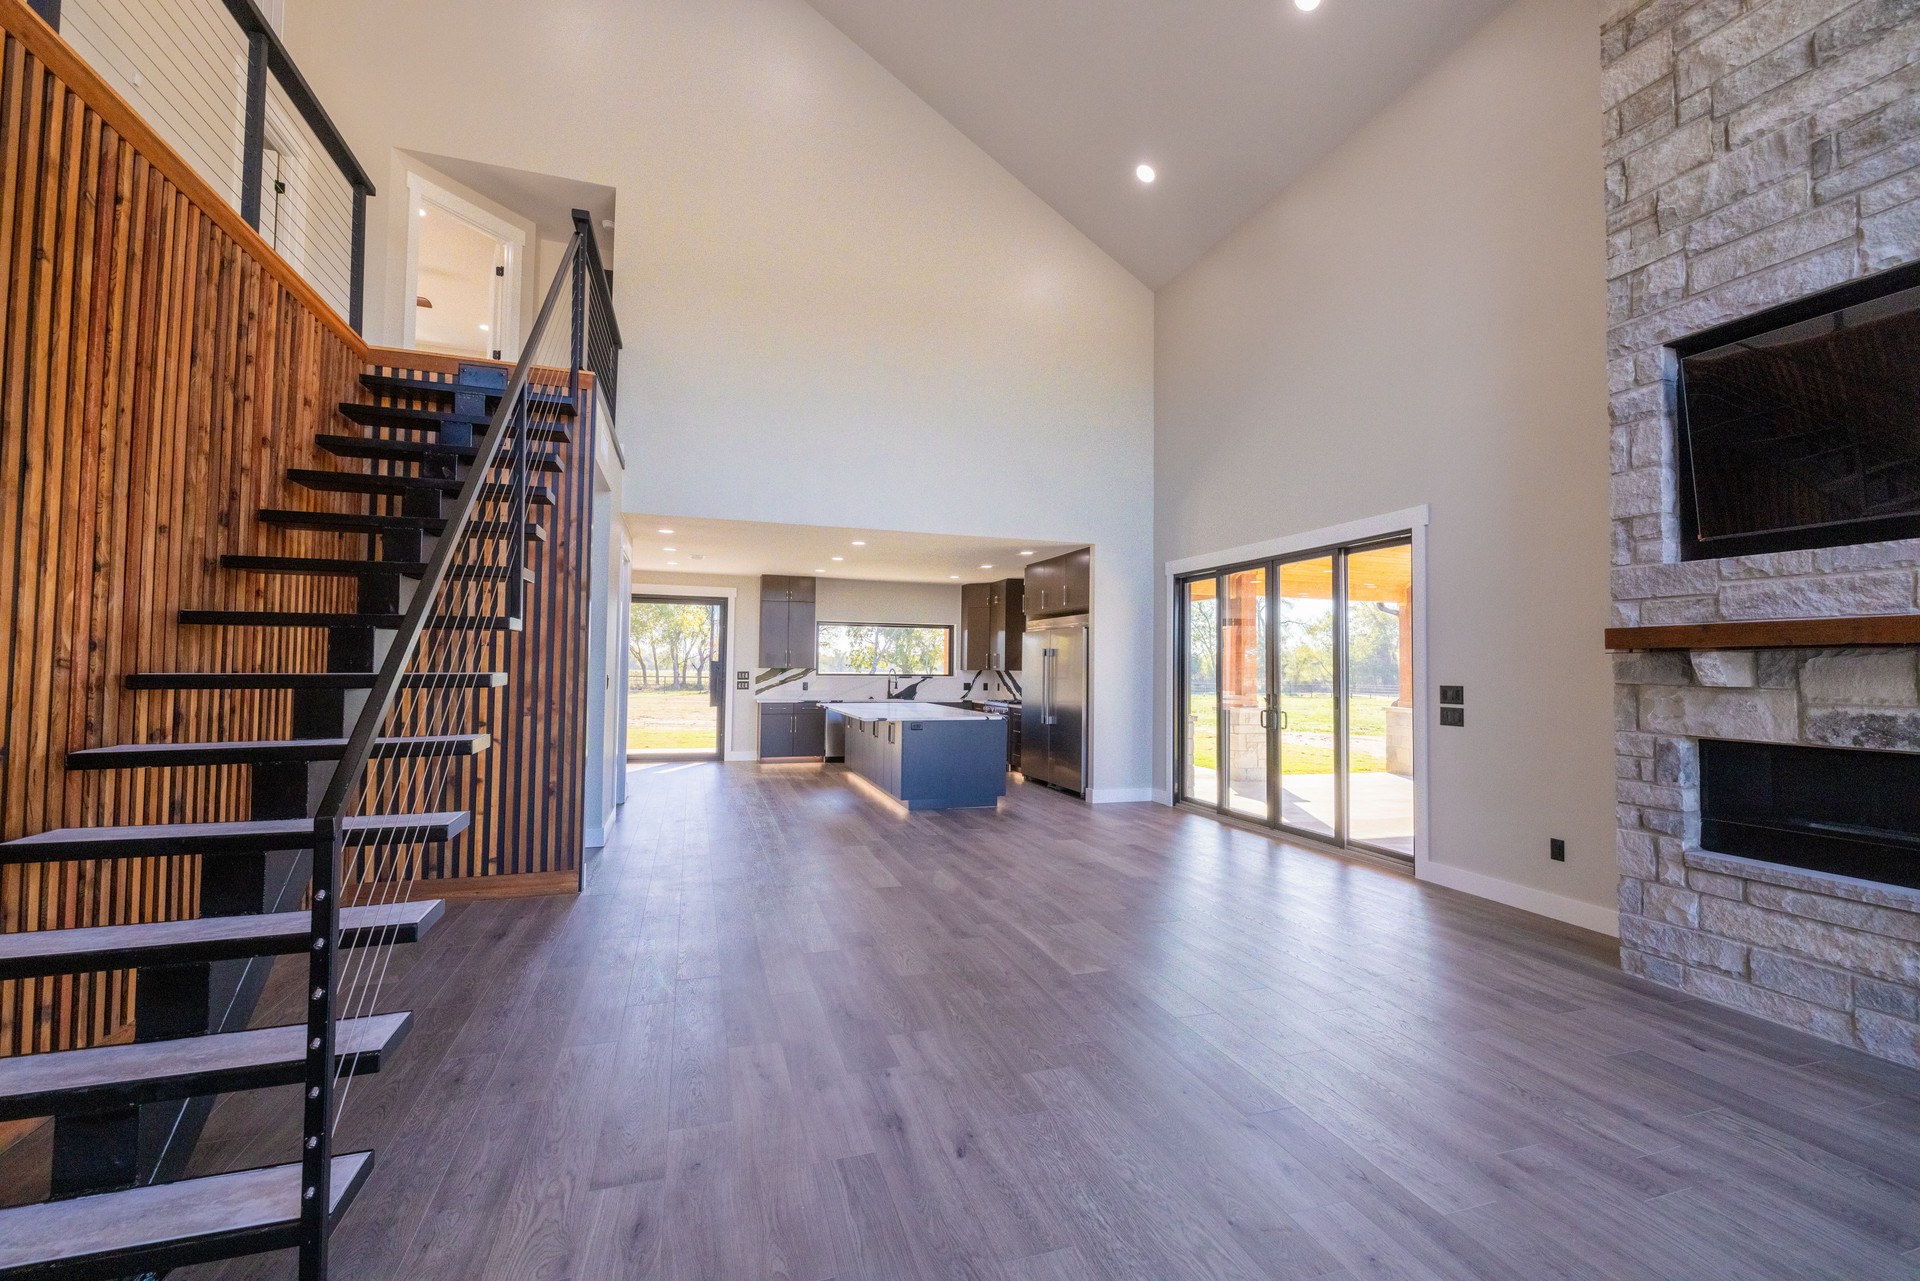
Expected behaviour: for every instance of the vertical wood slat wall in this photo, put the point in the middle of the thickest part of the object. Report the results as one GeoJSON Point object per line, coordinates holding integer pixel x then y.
{"type": "Point", "coordinates": [160, 369]}
{"type": "Point", "coordinates": [156, 381]}
{"type": "Point", "coordinates": [527, 794]}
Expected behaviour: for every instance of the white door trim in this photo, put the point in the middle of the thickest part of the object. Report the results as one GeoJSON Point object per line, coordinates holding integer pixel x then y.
{"type": "Point", "coordinates": [506, 320]}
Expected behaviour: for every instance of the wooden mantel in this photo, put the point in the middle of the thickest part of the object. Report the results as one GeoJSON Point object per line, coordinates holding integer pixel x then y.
{"type": "Point", "coordinates": [1789, 633]}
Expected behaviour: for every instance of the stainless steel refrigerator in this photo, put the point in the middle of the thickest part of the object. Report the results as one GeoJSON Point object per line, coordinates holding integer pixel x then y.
{"type": "Point", "coordinates": [1053, 706]}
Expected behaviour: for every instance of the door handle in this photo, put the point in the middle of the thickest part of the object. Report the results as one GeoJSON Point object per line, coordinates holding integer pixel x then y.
{"type": "Point", "coordinates": [1266, 718]}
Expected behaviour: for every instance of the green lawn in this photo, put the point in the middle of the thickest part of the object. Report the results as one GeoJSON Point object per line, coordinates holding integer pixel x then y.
{"type": "Point", "coordinates": [670, 721]}
{"type": "Point", "coordinates": [1306, 743]}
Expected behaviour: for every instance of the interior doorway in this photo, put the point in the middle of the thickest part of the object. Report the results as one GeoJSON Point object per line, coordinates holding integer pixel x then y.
{"type": "Point", "coordinates": [676, 678]}
{"type": "Point", "coordinates": [1297, 698]}
{"type": "Point", "coordinates": [463, 276]}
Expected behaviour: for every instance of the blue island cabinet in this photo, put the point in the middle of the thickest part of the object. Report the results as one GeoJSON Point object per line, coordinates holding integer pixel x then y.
{"type": "Point", "coordinates": [927, 757]}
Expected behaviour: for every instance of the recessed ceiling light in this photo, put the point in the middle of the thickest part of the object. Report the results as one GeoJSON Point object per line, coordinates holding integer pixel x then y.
{"type": "Point", "coordinates": [1145, 173]}
{"type": "Point", "coordinates": [859, 542]}
{"type": "Point", "coordinates": [953, 575]}
{"type": "Point", "coordinates": [819, 571]}
{"type": "Point", "coordinates": [669, 549]}
{"type": "Point", "coordinates": [663, 531]}
{"type": "Point", "coordinates": [839, 557]}
{"type": "Point", "coordinates": [986, 567]}
{"type": "Point", "coordinates": [672, 563]}
{"type": "Point", "coordinates": [423, 213]}
{"type": "Point", "coordinates": [484, 328]}
{"type": "Point", "coordinates": [1306, 6]}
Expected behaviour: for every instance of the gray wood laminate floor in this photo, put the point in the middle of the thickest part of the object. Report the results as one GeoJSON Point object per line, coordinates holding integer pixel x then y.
{"type": "Point", "coordinates": [789, 1033]}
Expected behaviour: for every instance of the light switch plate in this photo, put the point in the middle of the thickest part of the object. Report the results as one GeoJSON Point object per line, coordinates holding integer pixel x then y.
{"type": "Point", "coordinates": [1455, 694]}
{"type": "Point", "coordinates": [1453, 716]}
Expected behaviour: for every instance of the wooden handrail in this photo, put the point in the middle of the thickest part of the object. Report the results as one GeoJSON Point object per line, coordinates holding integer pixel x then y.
{"type": "Point", "coordinates": [44, 43]}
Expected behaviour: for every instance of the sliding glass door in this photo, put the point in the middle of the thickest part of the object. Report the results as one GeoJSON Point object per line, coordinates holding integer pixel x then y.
{"type": "Point", "coordinates": [1297, 698]}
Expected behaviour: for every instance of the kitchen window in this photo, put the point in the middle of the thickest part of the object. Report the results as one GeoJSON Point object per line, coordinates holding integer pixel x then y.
{"type": "Point", "coordinates": [885, 649]}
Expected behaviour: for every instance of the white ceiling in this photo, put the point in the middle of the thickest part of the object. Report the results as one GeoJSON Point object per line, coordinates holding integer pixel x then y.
{"type": "Point", "coordinates": [751, 548]}
{"type": "Point", "coordinates": [1229, 100]}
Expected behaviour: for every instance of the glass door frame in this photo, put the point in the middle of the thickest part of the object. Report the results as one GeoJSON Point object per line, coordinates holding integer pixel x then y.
{"type": "Point", "coordinates": [1342, 679]}
{"type": "Point", "coordinates": [718, 667]}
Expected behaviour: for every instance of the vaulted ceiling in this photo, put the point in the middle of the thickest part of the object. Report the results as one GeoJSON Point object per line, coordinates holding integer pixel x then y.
{"type": "Point", "coordinates": [1228, 100]}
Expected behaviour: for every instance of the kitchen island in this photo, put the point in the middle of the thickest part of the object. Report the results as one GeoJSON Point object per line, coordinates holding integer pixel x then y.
{"type": "Point", "coordinates": [927, 756]}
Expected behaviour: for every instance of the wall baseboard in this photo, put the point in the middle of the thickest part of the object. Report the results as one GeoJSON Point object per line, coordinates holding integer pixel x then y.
{"type": "Point", "coordinates": [1573, 911]}
{"type": "Point", "coordinates": [1119, 795]}
{"type": "Point", "coordinates": [747, 755]}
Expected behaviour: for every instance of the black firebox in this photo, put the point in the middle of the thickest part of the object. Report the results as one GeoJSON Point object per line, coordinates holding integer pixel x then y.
{"type": "Point", "coordinates": [1826, 809]}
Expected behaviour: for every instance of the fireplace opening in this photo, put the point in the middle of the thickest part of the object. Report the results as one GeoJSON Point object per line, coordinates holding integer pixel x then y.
{"type": "Point", "coordinates": [1825, 809]}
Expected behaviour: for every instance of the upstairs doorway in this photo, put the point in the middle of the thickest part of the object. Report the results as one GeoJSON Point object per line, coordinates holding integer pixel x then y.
{"type": "Point", "coordinates": [463, 272]}
{"type": "Point", "coordinates": [676, 681]}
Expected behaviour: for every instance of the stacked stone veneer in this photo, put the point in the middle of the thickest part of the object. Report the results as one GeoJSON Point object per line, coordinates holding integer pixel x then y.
{"type": "Point", "coordinates": [1754, 153]}
{"type": "Point", "coordinates": [1836, 957]}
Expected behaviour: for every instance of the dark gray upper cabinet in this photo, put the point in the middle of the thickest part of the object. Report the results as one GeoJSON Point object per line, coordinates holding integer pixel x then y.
{"type": "Point", "coordinates": [992, 618]}
{"type": "Point", "coordinates": [1060, 585]}
{"type": "Point", "coordinates": [789, 635]}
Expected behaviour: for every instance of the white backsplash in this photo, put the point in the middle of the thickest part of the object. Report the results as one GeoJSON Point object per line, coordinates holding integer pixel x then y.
{"type": "Point", "coordinates": [785, 687]}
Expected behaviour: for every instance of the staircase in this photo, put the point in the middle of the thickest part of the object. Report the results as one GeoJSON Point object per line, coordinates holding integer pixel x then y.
{"type": "Point", "coordinates": [448, 474]}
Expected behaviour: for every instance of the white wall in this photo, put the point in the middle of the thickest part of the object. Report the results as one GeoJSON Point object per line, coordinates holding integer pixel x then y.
{"type": "Point", "coordinates": [837, 309]}
{"type": "Point", "coordinates": [607, 620]}
{"type": "Point", "coordinates": [1421, 320]}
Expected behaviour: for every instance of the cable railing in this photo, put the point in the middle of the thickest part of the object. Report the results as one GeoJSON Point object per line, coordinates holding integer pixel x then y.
{"type": "Point", "coordinates": [403, 753]}
{"type": "Point", "coordinates": [215, 81]}
{"type": "Point", "coordinates": [596, 330]}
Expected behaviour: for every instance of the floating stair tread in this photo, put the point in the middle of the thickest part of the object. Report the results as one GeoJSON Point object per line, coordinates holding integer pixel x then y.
{"type": "Point", "coordinates": [167, 1225]}
{"type": "Point", "coordinates": [311, 680]}
{"type": "Point", "coordinates": [360, 482]}
{"type": "Point", "coordinates": [362, 522]}
{"type": "Point", "coordinates": [35, 953]}
{"type": "Point", "coordinates": [423, 388]}
{"type": "Point", "coordinates": [298, 618]}
{"type": "Point", "coordinates": [342, 567]}
{"type": "Point", "coordinates": [246, 837]}
{"type": "Point", "coordinates": [267, 752]}
{"type": "Point", "coordinates": [422, 451]}
{"type": "Point", "coordinates": [438, 419]}
{"type": "Point", "coordinates": [76, 1082]}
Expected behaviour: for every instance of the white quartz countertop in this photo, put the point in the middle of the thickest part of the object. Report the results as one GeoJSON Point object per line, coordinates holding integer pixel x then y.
{"type": "Point", "coordinates": [905, 710]}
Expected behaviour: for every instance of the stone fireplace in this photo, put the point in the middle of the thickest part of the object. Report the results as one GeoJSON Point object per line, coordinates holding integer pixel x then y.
{"type": "Point", "coordinates": [1755, 154]}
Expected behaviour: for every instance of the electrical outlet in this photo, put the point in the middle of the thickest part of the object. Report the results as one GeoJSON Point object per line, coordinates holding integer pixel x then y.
{"type": "Point", "coordinates": [1453, 716]}
{"type": "Point", "coordinates": [1557, 849]}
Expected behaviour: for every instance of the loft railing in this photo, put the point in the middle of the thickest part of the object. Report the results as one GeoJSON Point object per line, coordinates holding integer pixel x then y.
{"type": "Point", "coordinates": [215, 80]}
{"type": "Point", "coordinates": [596, 329]}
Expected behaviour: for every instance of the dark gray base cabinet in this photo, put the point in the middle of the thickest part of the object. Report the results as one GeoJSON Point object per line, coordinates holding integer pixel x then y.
{"type": "Point", "coordinates": [793, 731]}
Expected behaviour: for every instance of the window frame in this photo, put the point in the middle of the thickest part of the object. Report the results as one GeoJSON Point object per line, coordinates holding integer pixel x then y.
{"type": "Point", "coordinates": [820, 645]}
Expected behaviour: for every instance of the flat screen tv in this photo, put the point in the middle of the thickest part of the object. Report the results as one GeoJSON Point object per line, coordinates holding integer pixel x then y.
{"type": "Point", "coordinates": [1800, 427]}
